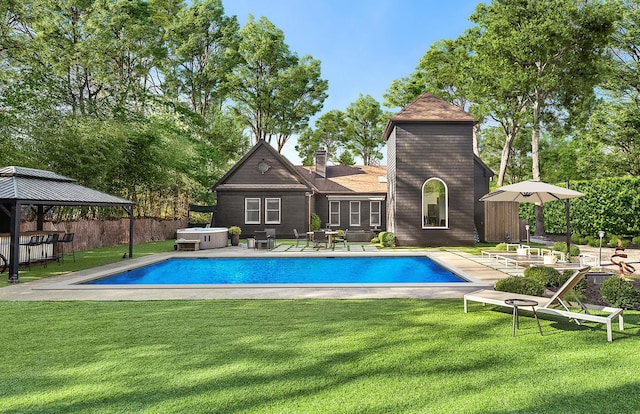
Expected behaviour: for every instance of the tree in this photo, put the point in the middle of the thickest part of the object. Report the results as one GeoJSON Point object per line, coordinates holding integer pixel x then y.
{"type": "Point", "coordinates": [365, 124]}
{"type": "Point", "coordinates": [274, 91]}
{"type": "Point", "coordinates": [550, 51]}
{"type": "Point", "coordinates": [329, 133]}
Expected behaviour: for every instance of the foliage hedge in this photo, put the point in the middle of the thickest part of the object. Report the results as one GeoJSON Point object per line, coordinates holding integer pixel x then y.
{"type": "Point", "coordinates": [521, 285]}
{"type": "Point", "coordinates": [611, 204]}
{"type": "Point", "coordinates": [548, 276]}
{"type": "Point", "coordinates": [620, 293]}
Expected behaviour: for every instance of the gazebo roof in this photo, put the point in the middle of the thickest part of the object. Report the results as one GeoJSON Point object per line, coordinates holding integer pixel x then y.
{"type": "Point", "coordinates": [32, 186]}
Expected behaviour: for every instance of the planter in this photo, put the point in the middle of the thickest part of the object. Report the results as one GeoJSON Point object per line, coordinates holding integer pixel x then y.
{"type": "Point", "coordinates": [235, 239]}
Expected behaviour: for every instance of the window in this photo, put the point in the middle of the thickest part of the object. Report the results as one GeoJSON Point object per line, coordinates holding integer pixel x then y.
{"type": "Point", "coordinates": [272, 211]}
{"type": "Point", "coordinates": [354, 213]}
{"type": "Point", "coordinates": [251, 211]}
{"type": "Point", "coordinates": [334, 213]}
{"type": "Point", "coordinates": [435, 204]}
{"type": "Point", "coordinates": [374, 213]}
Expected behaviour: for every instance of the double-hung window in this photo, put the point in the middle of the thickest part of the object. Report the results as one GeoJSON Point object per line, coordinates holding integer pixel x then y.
{"type": "Point", "coordinates": [354, 213]}
{"type": "Point", "coordinates": [374, 213]}
{"type": "Point", "coordinates": [252, 211]}
{"type": "Point", "coordinates": [334, 213]}
{"type": "Point", "coordinates": [272, 211]}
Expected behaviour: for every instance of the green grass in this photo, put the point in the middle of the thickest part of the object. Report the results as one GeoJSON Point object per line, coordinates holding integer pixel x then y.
{"type": "Point", "coordinates": [307, 356]}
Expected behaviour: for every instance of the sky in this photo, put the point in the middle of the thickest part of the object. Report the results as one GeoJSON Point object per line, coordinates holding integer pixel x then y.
{"type": "Point", "coordinates": [363, 45]}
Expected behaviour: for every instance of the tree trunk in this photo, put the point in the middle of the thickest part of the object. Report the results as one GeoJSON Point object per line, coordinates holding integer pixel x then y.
{"type": "Point", "coordinates": [535, 158]}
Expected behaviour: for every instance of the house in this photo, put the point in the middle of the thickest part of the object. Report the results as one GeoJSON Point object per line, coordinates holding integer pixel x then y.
{"type": "Point", "coordinates": [435, 179]}
{"type": "Point", "coordinates": [428, 194]}
{"type": "Point", "coordinates": [265, 190]}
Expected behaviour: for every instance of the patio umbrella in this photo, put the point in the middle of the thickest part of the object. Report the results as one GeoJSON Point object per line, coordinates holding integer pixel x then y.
{"type": "Point", "coordinates": [534, 192]}
{"type": "Point", "coordinates": [530, 192]}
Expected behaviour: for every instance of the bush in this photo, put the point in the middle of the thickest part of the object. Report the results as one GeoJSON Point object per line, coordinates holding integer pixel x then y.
{"type": "Point", "coordinates": [387, 239]}
{"type": "Point", "coordinates": [562, 247]}
{"type": "Point", "coordinates": [375, 240]}
{"type": "Point", "coordinates": [636, 240]}
{"type": "Point", "coordinates": [521, 285]}
{"type": "Point", "coordinates": [315, 222]}
{"type": "Point", "coordinates": [548, 276]}
{"type": "Point", "coordinates": [501, 246]}
{"type": "Point", "coordinates": [593, 242]}
{"type": "Point", "coordinates": [620, 293]}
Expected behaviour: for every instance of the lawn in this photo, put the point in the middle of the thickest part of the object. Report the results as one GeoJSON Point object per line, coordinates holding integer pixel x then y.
{"type": "Point", "coordinates": [307, 356]}
{"type": "Point", "coordinates": [302, 356]}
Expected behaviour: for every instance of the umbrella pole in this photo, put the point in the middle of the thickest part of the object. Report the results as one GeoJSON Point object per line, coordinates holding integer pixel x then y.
{"type": "Point", "coordinates": [568, 219]}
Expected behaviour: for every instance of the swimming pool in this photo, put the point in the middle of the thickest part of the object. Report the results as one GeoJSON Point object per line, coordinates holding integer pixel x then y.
{"type": "Point", "coordinates": [280, 270]}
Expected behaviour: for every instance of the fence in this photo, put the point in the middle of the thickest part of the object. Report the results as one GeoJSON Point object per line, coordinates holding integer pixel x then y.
{"type": "Point", "coordinates": [501, 221]}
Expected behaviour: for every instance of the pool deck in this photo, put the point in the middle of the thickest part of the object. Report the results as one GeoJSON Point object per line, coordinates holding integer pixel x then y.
{"type": "Point", "coordinates": [66, 287]}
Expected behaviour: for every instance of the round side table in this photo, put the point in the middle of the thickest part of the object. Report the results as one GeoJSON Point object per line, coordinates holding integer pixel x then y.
{"type": "Point", "coordinates": [516, 303]}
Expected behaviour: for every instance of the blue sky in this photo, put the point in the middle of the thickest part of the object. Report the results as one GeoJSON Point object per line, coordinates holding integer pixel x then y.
{"type": "Point", "coordinates": [363, 44]}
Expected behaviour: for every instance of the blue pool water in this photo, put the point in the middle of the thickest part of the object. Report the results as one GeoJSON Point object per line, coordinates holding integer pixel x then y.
{"type": "Point", "coordinates": [285, 271]}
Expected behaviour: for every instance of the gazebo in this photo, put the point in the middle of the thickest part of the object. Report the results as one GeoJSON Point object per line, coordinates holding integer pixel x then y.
{"type": "Point", "coordinates": [24, 188]}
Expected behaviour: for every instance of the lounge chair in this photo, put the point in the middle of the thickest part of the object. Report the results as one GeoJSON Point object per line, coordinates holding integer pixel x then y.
{"type": "Point", "coordinates": [300, 236]}
{"type": "Point", "coordinates": [545, 304]}
{"type": "Point", "coordinates": [320, 237]}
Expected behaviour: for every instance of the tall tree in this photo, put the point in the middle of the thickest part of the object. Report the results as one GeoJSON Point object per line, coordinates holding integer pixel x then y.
{"type": "Point", "coordinates": [365, 124]}
{"type": "Point", "coordinates": [329, 133]}
{"type": "Point", "coordinates": [274, 91]}
{"type": "Point", "coordinates": [552, 52]}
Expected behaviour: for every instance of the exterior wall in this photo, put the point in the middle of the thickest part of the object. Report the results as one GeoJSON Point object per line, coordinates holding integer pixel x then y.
{"type": "Point", "coordinates": [293, 211]}
{"type": "Point", "coordinates": [249, 172]}
{"type": "Point", "coordinates": [322, 210]}
{"type": "Point", "coordinates": [433, 150]}
{"type": "Point", "coordinates": [391, 182]}
{"type": "Point", "coordinates": [481, 187]}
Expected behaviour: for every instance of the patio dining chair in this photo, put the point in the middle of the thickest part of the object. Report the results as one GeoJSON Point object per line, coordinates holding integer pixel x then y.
{"type": "Point", "coordinates": [320, 237]}
{"type": "Point", "coordinates": [299, 236]}
{"type": "Point", "coordinates": [262, 239]}
{"type": "Point", "coordinates": [341, 238]}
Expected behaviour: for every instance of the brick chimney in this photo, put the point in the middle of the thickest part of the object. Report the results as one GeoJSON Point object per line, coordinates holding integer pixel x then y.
{"type": "Point", "coordinates": [321, 162]}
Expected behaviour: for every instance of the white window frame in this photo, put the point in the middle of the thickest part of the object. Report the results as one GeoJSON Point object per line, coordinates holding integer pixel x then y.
{"type": "Point", "coordinates": [247, 210]}
{"type": "Point", "coordinates": [352, 211]}
{"type": "Point", "coordinates": [446, 206]}
{"type": "Point", "coordinates": [375, 215]}
{"type": "Point", "coordinates": [334, 214]}
{"type": "Point", "coordinates": [268, 210]}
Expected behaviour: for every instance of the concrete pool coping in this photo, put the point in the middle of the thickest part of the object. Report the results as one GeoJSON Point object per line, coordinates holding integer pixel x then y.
{"type": "Point", "coordinates": [67, 287]}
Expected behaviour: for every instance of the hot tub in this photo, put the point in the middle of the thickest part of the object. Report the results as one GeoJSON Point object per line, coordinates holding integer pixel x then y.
{"type": "Point", "coordinates": [210, 237]}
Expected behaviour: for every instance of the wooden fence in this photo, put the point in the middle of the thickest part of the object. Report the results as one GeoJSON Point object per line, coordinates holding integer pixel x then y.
{"type": "Point", "coordinates": [501, 221]}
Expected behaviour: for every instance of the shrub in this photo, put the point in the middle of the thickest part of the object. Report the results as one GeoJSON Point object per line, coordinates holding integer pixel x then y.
{"type": "Point", "coordinates": [501, 246]}
{"type": "Point", "coordinates": [548, 276]}
{"type": "Point", "coordinates": [315, 222]}
{"type": "Point", "coordinates": [636, 240]}
{"type": "Point", "coordinates": [235, 230]}
{"type": "Point", "coordinates": [576, 238]}
{"type": "Point", "coordinates": [620, 293]}
{"type": "Point", "coordinates": [562, 247]}
{"type": "Point", "coordinates": [521, 285]}
{"type": "Point", "coordinates": [387, 239]}
{"type": "Point", "coordinates": [593, 242]}
{"type": "Point", "coordinates": [375, 240]}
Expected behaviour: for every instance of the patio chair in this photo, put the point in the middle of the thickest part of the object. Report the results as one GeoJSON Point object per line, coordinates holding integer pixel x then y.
{"type": "Point", "coordinates": [67, 238]}
{"type": "Point", "coordinates": [320, 237]}
{"type": "Point", "coordinates": [51, 240]}
{"type": "Point", "coordinates": [34, 241]}
{"type": "Point", "coordinates": [545, 304]}
{"type": "Point", "coordinates": [341, 238]}
{"type": "Point", "coordinates": [262, 240]}
{"type": "Point", "coordinates": [271, 234]}
{"type": "Point", "coordinates": [299, 236]}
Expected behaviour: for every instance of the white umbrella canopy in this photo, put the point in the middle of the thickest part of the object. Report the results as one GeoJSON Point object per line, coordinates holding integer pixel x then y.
{"type": "Point", "coordinates": [530, 192]}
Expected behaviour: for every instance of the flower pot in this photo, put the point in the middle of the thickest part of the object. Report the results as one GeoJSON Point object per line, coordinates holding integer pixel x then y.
{"type": "Point", "coordinates": [235, 239]}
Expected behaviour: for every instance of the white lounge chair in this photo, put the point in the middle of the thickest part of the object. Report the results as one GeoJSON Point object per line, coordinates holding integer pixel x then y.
{"type": "Point", "coordinates": [545, 304]}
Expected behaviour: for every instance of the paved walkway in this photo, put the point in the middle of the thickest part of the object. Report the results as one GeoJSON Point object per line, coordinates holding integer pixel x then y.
{"type": "Point", "coordinates": [66, 287]}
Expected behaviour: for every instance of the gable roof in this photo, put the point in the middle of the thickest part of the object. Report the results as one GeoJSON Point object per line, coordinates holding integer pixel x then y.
{"type": "Point", "coordinates": [345, 179]}
{"type": "Point", "coordinates": [260, 145]}
{"type": "Point", "coordinates": [32, 186]}
{"type": "Point", "coordinates": [427, 107]}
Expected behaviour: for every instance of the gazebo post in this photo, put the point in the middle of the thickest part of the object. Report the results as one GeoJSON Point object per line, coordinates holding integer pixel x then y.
{"type": "Point", "coordinates": [130, 211]}
{"type": "Point", "coordinates": [14, 253]}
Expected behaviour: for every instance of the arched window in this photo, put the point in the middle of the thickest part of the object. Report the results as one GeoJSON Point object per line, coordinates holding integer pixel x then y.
{"type": "Point", "coordinates": [435, 204]}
